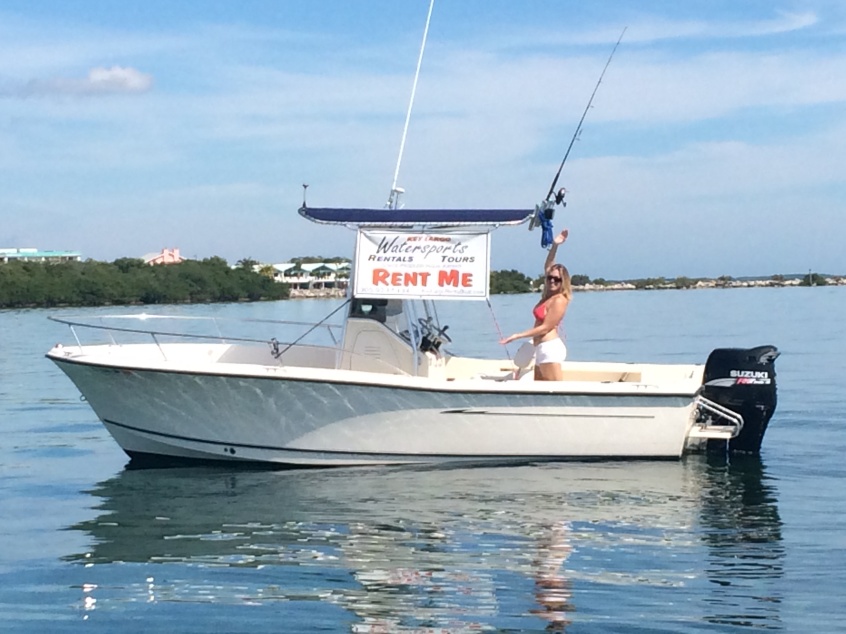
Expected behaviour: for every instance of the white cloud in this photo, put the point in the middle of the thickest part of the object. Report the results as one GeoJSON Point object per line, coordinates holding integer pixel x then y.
{"type": "Point", "coordinates": [655, 30]}
{"type": "Point", "coordinates": [646, 29]}
{"type": "Point", "coordinates": [99, 81]}
{"type": "Point", "coordinates": [117, 79]}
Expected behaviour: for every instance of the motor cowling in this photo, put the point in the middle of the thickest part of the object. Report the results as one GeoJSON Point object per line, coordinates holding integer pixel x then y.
{"type": "Point", "coordinates": [744, 381]}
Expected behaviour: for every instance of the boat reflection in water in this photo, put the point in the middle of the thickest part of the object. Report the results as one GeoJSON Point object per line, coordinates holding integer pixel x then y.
{"type": "Point", "coordinates": [742, 529]}
{"type": "Point", "coordinates": [448, 549]}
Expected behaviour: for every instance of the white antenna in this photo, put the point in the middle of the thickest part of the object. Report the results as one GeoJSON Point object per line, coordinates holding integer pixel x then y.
{"type": "Point", "coordinates": [393, 199]}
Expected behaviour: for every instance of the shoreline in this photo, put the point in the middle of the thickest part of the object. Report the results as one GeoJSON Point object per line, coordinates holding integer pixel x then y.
{"type": "Point", "coordinates": [672, 285]}
{"type": "Point", "coordinates": [336, 293]}
{"type": "Point", "coordinates": [321, 293]}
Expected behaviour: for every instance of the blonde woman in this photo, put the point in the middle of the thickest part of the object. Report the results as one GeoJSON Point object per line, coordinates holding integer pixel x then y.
{"type": "Point", "coordinates": [550, 350]}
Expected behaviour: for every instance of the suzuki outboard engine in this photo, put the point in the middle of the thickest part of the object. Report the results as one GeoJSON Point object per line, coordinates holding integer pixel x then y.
{"type": "Point", "coordinates": [743, 380]}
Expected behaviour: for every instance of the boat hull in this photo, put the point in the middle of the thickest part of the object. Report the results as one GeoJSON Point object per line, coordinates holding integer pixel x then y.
{"type": "Point", "coordinates": [289, 420]}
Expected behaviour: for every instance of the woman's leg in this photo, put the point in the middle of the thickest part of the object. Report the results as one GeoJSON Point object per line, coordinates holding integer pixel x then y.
{"type": "Point", "coordinates": [548, 358]}
{"type": "Point", "coordinates": [548, 372]}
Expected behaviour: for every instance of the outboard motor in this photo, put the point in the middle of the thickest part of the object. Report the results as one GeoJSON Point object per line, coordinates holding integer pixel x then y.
{"type": "Point", "coordinates": [743, 380]}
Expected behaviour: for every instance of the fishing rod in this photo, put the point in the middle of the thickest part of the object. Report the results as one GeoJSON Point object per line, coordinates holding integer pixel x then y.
{"type": "Point", "coordinates": [545, 211]}
{"type": "Point", "coordinates": [393, 198]}
{"type": "Point", "coordinates": [560, 195]}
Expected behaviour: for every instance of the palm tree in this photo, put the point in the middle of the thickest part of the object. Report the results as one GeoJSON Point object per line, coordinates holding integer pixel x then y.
{"type": "Point", "coordinates": [247, 263]}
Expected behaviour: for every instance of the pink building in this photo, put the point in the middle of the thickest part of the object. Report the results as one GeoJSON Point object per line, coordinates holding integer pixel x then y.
{"type": "Point", "coordinates": [166, 256]}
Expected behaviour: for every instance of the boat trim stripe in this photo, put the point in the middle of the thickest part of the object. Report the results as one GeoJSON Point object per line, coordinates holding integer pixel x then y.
{"type": "Point", "coordinates": [482, 412]}
{"type": "Point", "coordinates": [425, 456]}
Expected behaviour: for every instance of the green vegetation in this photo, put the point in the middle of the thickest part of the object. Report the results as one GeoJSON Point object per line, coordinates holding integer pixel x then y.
{"type": "Point", "coordinates": [515, 282]}
{"type": "Point", "coordinates": [649, 282]}
{"type": "Point", "coordinates": [510, 281]}
{"type": "Point", "coordinates": [684, 282]}
{"type": "Point", "coordinates": [813, 279]}
{"type": "Point", "coordinates": [130, 281]}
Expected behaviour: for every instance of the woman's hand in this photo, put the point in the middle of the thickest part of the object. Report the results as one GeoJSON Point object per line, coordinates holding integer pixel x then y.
{"type": "Point", "coordinates": [509, 339]}
{"type": "Point", "coordinates": [557, 241]}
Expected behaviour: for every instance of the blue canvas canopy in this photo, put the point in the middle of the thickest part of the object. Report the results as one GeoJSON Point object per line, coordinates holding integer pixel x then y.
{"type": "Point", "coordinates": [415, 217]}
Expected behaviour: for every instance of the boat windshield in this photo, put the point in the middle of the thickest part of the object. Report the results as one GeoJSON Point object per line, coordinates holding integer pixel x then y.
{"type": "Point", "coordinates": [413, 320]}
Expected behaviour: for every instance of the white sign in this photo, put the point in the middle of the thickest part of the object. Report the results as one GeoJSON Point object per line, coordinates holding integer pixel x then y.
{"type": "Point", "coordinates": [422, 265]}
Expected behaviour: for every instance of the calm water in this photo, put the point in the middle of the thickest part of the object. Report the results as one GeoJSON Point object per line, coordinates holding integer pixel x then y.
{"type": "Point", "coordinates": [691, 546]}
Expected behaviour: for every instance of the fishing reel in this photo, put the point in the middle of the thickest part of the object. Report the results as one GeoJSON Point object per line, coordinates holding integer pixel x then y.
{"type": "Point", "coordinates": [545, 211]}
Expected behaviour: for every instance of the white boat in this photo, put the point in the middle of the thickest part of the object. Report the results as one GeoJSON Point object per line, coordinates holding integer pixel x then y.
{"type": "Point", "coordinates": [389, 391]}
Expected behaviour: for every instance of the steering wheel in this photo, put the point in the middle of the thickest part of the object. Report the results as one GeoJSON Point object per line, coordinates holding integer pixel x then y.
{"type": "Point", "coordinates": [427, 328]}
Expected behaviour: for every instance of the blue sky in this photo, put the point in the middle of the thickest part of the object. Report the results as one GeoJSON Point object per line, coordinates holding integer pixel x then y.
{"type": "Point", "coordinates": [716, 144]}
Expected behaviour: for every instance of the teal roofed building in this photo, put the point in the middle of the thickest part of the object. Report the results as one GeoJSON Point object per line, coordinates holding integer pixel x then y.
{"type": "Point", "coordinates": [36, 255]}
{"type": "Point", "coordinates": [313, 275]}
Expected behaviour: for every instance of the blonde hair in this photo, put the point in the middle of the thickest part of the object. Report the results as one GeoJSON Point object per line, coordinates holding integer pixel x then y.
{"type": "Point", "coordinates": [566, 288]}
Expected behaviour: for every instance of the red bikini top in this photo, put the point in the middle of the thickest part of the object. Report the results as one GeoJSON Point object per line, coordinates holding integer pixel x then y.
{"type": "Point", "coordinates": [539, 311]}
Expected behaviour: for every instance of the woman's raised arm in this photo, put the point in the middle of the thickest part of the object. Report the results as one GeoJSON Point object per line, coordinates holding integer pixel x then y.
{"type": "Point", "coordinates": [550, 256]}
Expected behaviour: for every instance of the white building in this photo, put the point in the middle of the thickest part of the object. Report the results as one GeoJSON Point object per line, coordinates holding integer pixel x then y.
{"type": "Point", "coordinates": [28, 254]}
{"type": "Point", "coordinates": [313, 276]}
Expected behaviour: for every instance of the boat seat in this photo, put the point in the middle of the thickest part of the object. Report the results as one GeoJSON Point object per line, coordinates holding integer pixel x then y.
{"type": "Point", "coordinates": [495, 377]}
{"type": "Point", "coordinates": [601, 376]}
{"type": "Point", "coordinates": [521, 375]}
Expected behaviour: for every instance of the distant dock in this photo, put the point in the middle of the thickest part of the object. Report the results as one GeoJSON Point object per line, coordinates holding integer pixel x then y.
{"type": "Point", "coordinates": [312, 293]}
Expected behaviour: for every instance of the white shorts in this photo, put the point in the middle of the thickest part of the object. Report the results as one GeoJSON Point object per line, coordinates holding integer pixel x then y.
{"type": "Point", "coordinates": [552, 351]}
